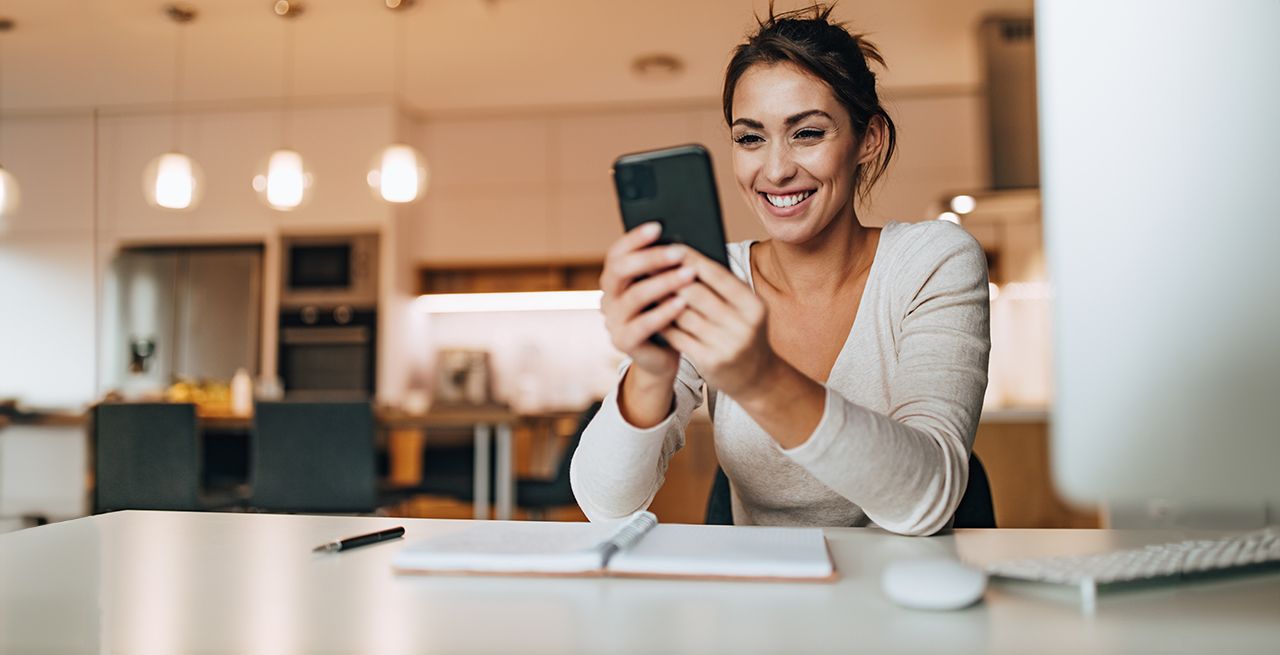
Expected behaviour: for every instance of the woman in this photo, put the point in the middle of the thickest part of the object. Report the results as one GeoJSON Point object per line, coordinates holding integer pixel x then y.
{"type": "Point", "coordinates": [845, 365]}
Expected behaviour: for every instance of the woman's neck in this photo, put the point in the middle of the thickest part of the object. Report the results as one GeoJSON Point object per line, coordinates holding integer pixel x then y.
{"type": "Point", "coordinates": [823, 266]}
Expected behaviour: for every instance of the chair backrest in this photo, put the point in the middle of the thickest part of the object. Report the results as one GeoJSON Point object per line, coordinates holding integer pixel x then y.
{"type": "Point", "coordinates": [584, 419]}
{"type": "Point", "coordinates": [146, 456]}
{"type": "Point", "coordinates": [974, 511]}
{"type": "Point", "coordinates": [314, 457]}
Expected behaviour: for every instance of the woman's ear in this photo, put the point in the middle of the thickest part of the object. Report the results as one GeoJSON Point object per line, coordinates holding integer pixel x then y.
{"type": "Point", "coordinates": [872, 140]}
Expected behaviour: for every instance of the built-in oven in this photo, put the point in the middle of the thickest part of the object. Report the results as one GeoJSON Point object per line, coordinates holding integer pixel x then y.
{"type": "Point", "coordinates": [328, 352]}
{"type": "Point", "coordinates": [329, 271]}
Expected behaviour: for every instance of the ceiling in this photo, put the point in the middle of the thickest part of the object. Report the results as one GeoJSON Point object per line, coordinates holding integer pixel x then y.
{"type": "Point", "coordinates": [460, 54]}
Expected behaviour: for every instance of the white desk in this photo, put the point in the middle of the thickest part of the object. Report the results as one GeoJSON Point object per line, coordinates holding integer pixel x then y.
{"type": "Point", "coordinates": [156, 582]}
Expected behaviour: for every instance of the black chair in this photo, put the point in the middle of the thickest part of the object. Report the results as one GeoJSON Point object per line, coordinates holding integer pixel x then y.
{"type": "Point", "coordinates": [314, 457]}
{"type": "Point", "coordinates": [975, 510]}
{"type": "Point", "coordinates": [147, 456]}
{"type": "Point", "coordinates": [451, 474]}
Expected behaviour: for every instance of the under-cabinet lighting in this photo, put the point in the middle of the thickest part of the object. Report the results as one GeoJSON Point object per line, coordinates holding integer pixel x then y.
{"type": "Point", "coordinates": [454, 303]}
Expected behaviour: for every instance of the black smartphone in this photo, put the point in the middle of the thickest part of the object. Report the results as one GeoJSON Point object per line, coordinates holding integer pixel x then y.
{"type": "Point", "coordinates": [677, 188]}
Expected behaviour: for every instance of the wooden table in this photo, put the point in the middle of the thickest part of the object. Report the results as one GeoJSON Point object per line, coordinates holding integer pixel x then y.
{"type": "Point", "coordinates": [172, 582]}
{"type": "Point", "coordinates": [407, 434]}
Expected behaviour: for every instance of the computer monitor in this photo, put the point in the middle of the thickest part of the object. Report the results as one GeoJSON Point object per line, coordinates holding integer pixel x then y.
{"type": "Point", "coordinates": [1160, 173]}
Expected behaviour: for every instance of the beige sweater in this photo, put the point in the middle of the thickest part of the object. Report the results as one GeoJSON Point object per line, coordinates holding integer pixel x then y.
{"type": "Point", "coordinates": [903, 401]}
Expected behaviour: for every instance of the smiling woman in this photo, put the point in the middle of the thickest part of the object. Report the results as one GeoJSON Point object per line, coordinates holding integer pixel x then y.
{"type": "Point", "coordinates": [844, 365]}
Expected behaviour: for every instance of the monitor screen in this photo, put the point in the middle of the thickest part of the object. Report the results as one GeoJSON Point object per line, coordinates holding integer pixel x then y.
{"type": "Point", "coordinates": [1160, 169]}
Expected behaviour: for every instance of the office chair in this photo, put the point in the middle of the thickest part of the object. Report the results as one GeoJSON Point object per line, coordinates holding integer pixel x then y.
{"type": "Point", "coordinates": [313, 457]}
{"type": "Point", "coordinates": [975, 510]}
{"type": "Point", "coordinates": [147, 456]}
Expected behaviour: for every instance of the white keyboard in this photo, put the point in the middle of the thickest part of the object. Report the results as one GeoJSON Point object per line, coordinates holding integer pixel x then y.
{"type": "Point", "coordinates": [1177, 559]}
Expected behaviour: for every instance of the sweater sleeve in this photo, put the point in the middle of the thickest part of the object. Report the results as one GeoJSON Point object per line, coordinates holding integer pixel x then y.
{"type": "Point", "coordinates": [618, 468]}
{"type": "Point", "coordinates": [908, 469]}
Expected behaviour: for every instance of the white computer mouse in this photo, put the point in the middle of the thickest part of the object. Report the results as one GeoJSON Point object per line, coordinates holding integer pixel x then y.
{"type": "Point", "coordinates": [933, 584]}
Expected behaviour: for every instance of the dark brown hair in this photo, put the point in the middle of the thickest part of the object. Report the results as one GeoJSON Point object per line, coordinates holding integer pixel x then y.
{"type": "Point", "coordinates": [809, 39]}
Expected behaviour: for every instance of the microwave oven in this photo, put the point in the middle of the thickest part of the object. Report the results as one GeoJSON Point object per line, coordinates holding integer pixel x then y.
{"type": "Point", "coordinates": [329, 270]}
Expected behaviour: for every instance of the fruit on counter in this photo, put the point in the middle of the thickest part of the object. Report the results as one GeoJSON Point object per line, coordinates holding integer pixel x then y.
{"type": "Point", "coordinates": [208, 394]}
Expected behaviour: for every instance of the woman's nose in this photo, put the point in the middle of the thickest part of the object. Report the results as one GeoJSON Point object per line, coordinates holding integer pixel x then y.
{"type": "Point", "coordinates": [778, 166]}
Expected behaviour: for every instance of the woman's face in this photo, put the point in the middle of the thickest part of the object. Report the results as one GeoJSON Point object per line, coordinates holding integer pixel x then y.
{"type": "Point", "coordinates": [794, 151]}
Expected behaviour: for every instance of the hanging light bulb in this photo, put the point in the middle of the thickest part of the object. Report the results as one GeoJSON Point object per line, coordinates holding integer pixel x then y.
{"type": "Point", "coordinates": [173, 180]}
{"type": "Point", "coordinates": [398, 174]}
{"type": "Point", "coordinates": [9, 195]}
{"type": "Point", "coordinates": [283, 182]}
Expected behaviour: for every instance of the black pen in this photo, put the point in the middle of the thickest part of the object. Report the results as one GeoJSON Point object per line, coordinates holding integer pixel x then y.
{"type": "Point", "coordinates": [361, 540]}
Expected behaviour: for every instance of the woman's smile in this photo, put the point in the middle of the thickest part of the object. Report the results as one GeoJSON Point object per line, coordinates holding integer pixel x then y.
{"type": "Point", "coordinates": [786, 204]}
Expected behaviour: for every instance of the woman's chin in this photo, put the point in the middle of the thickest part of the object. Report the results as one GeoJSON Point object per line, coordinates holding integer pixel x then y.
{"type": "Point", "coordinates": [791, 232]}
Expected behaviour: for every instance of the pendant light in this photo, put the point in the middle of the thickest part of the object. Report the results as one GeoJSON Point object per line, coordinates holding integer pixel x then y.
{"type": "Point", "coordinates": [283, 181]}
{"type": "Point", "coordinates": [9, 195]}
{"type": "Point", "coordinates": [173, 180]}
{"type": "Point", "coordinates": [398, 173]}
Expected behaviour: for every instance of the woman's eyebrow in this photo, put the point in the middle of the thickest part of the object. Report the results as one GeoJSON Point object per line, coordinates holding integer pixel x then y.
{"type": "Point", "coordinates": [796, 118]}
{"type": "Point", "coordinates": [791, 120]}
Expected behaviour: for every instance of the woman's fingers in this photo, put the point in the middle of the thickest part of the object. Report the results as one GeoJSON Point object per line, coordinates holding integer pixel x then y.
{"type": "Point", "coordinates": [721, 280]}
{"type": "Point", "coordinates": [634, 333]}
{"type": "Point", "coordinates": [651, 290]}
{"type": "Point", "coordinates": [632, 256]}
{"type": "Point", "coordinates": [711, 306]}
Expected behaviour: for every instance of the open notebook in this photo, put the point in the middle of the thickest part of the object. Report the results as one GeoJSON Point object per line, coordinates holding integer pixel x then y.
{"type": "Point", "coordinates": [635, 546]}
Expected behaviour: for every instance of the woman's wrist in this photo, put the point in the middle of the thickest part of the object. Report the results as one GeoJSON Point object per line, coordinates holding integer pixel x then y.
{"type": "Point", "coordinates": [785, 402]}
{"type": "Point", "coordinates": [644, 399]}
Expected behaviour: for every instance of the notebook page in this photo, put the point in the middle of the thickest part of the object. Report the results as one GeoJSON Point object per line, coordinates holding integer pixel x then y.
{"type": "Point", "coordinates": [511, 547]}
{"type": "Point", "coordinates": [727, 551]}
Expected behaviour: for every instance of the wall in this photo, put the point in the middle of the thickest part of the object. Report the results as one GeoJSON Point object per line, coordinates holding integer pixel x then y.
{"type": "Point", "coordinates": [536, 185]}
{"type": "Point", "coordinates": [46, 262]}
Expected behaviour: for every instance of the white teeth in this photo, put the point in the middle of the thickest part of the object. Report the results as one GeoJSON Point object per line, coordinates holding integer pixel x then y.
{"type": "Point", "coordinates": [787, 201]}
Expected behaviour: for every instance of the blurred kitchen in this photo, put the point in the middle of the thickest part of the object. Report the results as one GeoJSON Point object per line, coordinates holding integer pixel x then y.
{"type": "Point", "coordinates": [245, 204]}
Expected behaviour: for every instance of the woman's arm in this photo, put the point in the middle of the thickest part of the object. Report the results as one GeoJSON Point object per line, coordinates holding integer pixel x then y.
{"type": "Point", "coordinates": [618, 466]}
{"type": "Point", "coordinates": [908, 469]}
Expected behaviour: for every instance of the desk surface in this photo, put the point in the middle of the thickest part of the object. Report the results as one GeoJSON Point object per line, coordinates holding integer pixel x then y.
{"type": "Point", "coordinates": [159, 582]}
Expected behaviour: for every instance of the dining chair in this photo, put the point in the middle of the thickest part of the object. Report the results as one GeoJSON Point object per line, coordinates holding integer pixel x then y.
{"type": "Point", "coordinates": [313, 457]}
{"type": "Point", "coordinates": [147, 456]}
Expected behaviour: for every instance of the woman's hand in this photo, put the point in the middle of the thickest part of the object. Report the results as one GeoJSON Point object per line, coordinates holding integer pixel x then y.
{"type": "Point", "coordinates": [640, 285]}
{"type": "Point", "coordinates": [724, 330]}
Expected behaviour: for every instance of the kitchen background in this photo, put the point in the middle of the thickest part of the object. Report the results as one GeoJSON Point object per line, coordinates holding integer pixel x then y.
{"type": "Point", "coordinates": [519, 108]}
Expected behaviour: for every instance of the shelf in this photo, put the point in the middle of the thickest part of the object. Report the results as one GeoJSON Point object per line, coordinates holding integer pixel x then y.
{"type": "Point", "coordinates": [509, 277]}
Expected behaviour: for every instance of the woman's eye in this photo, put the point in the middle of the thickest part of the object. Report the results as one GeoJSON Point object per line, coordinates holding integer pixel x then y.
{"type": "Point", "coordinates": [810, 134]}
{"type": "Point", "coordinates": [747, 139]}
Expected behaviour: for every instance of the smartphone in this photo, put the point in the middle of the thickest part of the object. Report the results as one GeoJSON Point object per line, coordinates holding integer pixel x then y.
{"type": "Point", "coordinates": [675, 187]}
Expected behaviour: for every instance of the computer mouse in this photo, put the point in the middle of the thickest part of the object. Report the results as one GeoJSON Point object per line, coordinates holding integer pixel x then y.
{"type": "Point", "coordinates": [933, 584]}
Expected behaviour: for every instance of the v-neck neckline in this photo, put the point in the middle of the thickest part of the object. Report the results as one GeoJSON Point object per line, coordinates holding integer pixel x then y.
{"type": "Point", "coordinates": [862, 300]}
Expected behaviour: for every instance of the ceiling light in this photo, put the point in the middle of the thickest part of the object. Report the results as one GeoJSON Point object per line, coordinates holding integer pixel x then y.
{"type": "Point", "coordinates": [173, 180]}
{"type": "Point", "coordinates": [283, 182]}
{"type": "Point", "coordinates": [398, 173]}
{"type": "Point", "coordinates": [9, 195]}
{"type": "Point", "coordinates": [963, 204]}
{"type": "Point", "coordinates": [657, 66]}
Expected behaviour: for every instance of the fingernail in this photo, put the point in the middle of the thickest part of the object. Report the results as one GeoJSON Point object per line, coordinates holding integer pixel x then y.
{"type": "Point", "coordinates": [675, 253]}
{"type": "Point", "coordinates": [652, 228]}
{"type": "Point", "coordinates": [686, 272]}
